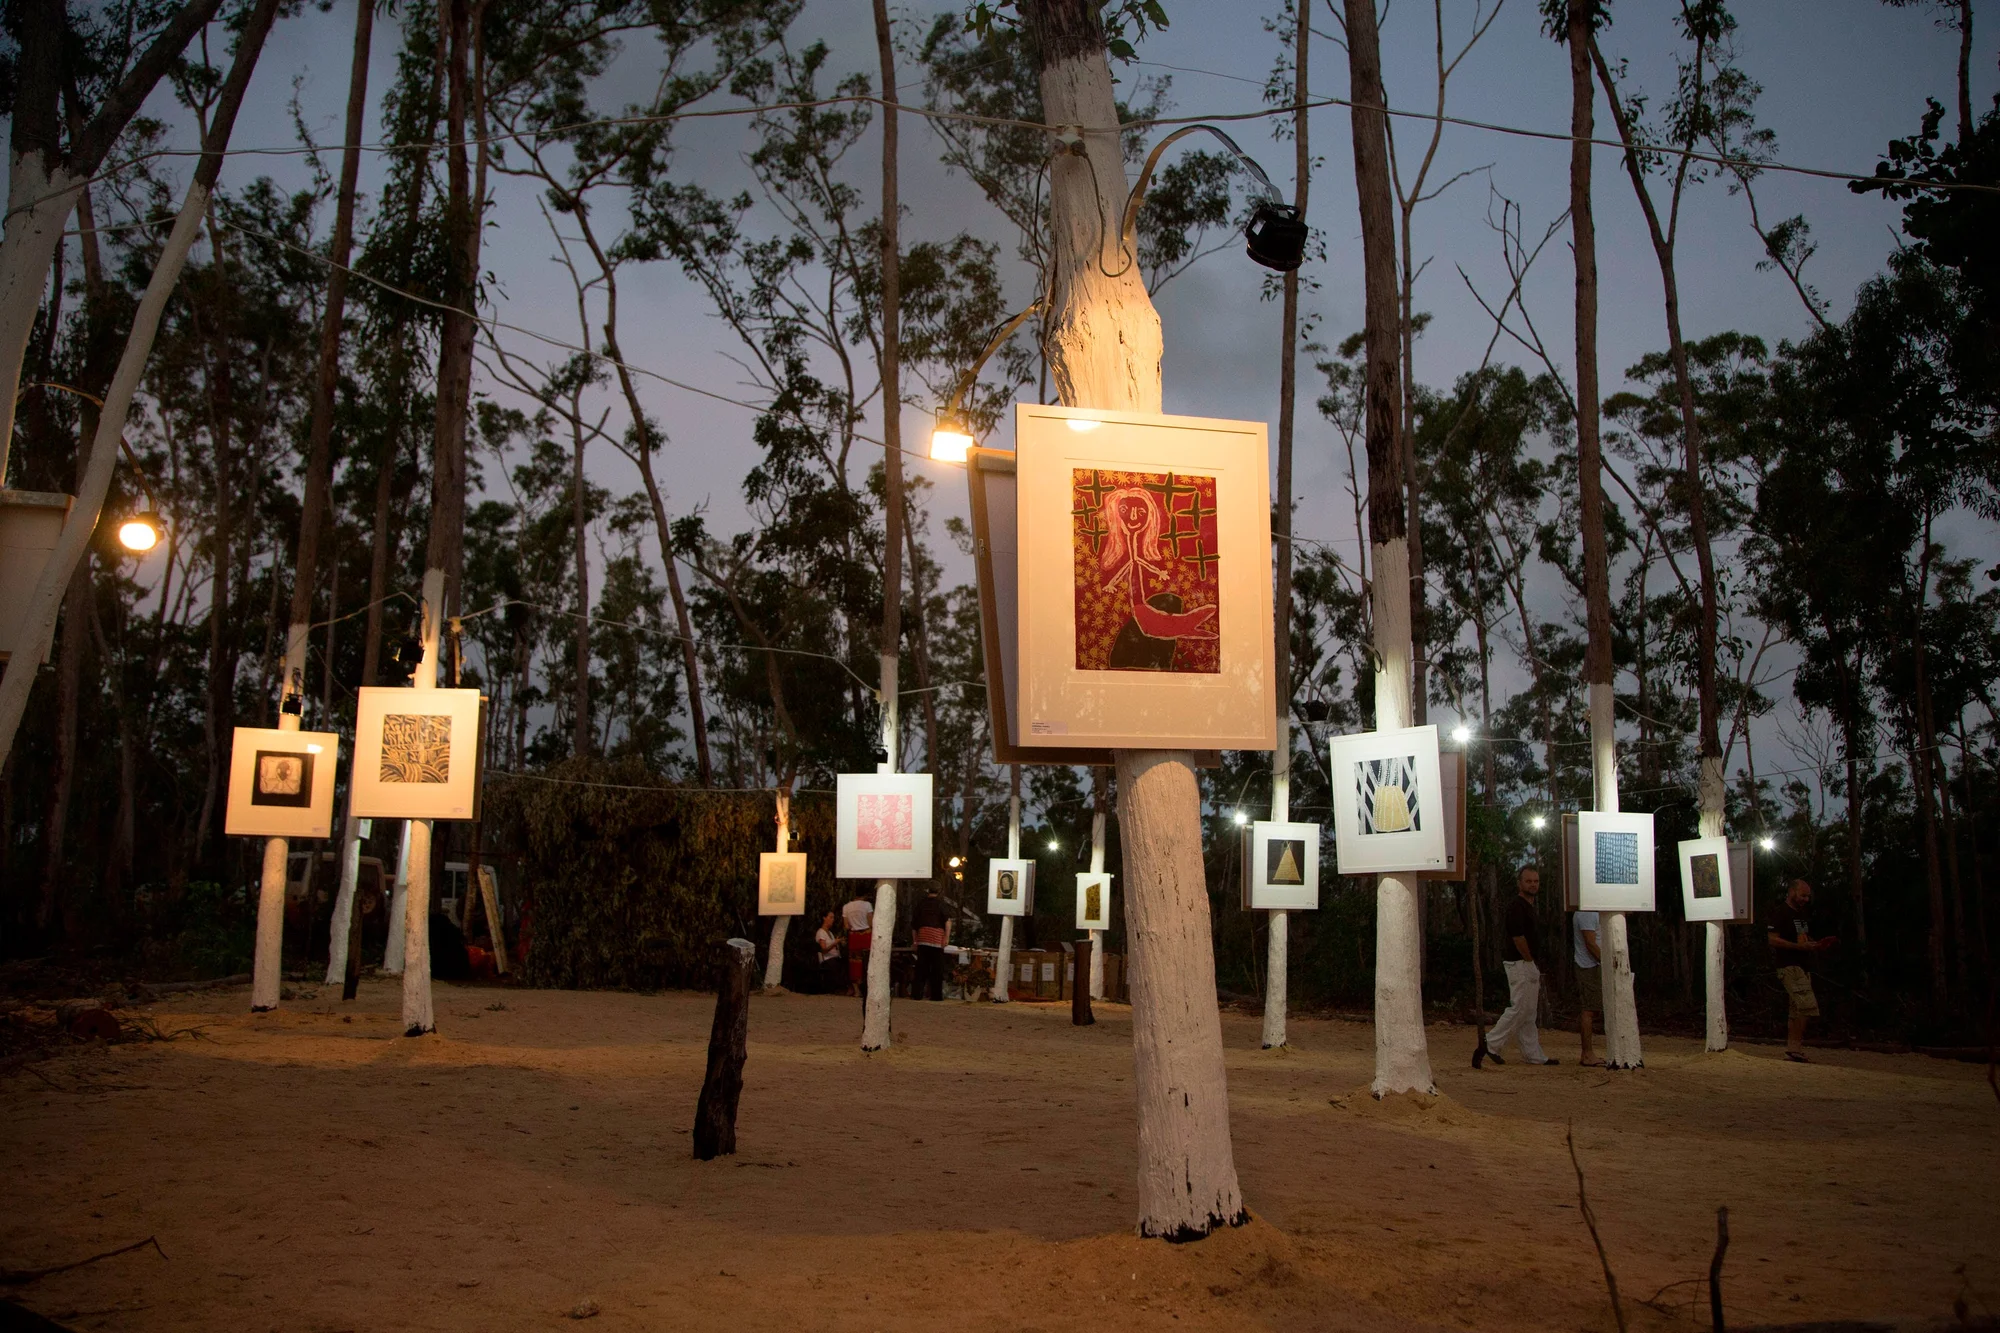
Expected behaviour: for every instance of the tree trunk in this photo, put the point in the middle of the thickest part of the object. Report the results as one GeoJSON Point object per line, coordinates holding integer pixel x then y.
{"type": "Point", "coordinates": [1103, 341]}
{"type": "Point", "coordinates": [1277, 953]}
{"type": "Point", "coordinates": [1090, 966]}
{"type": "Point", "coordinates": [1003, 964]}
{"type": "Point", "coordinates": [875, 1029]}
{"type": "Point", "coordinates": [39, 616]}
{"type": "Point", "coordinates": [1402, 1060]}
{"type": "Point", "coordinates": [728, 1048]}
{"type": "Point", "coordinates": [580, 736]}
{"type": "Point", "coordinates": [774, 961]}
{"type": "Point", "coordinates": [62, 772]}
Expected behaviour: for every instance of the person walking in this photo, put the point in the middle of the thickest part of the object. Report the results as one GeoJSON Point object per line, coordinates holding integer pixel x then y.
{"type": "Point", "coordinates": [858, 914]}
{"type": "Point", "coordinates": [930, 933]}
{"type": "Point", "coordinates": [1524, 981]}
{"type": "Point", "coordinates": [1589, 979]}
{"type": "Point", "coordinates": [1788, 927]}
{"type": "Point", "coordinates": [832, 976]}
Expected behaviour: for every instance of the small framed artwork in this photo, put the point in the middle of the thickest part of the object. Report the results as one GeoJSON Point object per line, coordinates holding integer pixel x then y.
{"type": "Point", "coordinates": [1283, 870]}
{"type": "Point", "coordinates": [1706, 892]}
{"type": "Point", "coordinates": [1143, 585]}
{"type": "Point", "coordinates": [416, 754]}
{"type": "Point", "coordinates": [1093, 900]}
{"type": "Point", "coordinates": [781, 883]}
{"type": "Point", "coordinates": [1010, 887]}
{"type": "Point", "coordinates": [1614, 862]}
{"type": "Point", "coordinates": [281, 783]}
{"type": "Point", "coordinates": [1388, 802]}
{"type": "Point", "coordinates": [883, 826]}
{"type": "Point", "coordinates": [1451, 772]}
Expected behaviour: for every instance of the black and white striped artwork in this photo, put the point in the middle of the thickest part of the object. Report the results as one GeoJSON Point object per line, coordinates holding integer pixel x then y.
{"type": "Point", "coordinates": [1387, 795]}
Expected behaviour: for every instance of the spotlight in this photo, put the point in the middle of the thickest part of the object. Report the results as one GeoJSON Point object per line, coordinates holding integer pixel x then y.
{"type": "Point", "coordinates": [950, 439]}
{"type": "Point", "coordinates": [1768, 843]}
{"type": "Point", "coordinates": [141, 532]}
{"type": "Point", "coordinates": [1276, 237]}
{"type": "Point", "coordinates": [1054, 846]}
{"type": "Point", "coordinates": [1240, 817]}
{"type": "Point", "coordinates": [955, 862]}
{"type": "Point", "coordinates": [1461, 733]}
{"type": "Point", "coordinates": [1538, 823]}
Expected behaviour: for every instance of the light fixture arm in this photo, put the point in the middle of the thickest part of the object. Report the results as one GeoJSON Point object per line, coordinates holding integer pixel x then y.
{"type": "Point", "coordinates": [963, 384]}
{"type": "Point", "coordinates": [1138, 196]}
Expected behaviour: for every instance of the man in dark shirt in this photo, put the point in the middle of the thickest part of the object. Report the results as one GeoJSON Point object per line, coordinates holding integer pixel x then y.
{"type": "Point", "coordinates": [1524, 981]}
{"type": "Point", "coordinates": [930, 932]}
{"type": "Point", "coordinates": [1788, 928]}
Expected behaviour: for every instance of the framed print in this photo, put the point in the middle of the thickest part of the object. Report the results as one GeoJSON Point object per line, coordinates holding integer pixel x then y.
{"type": "Point", "coordinates": [1093, 900]}
{"type": "Point", "coordinates": [781, 883]}
{"type": "Point", "coordinates": [281, 783]}
{"type": "Point", "coordinates": [883, 826]}
{"type": "Point", "coordinates": [1388, 801]}
{"type": "Point", "coordinates": [1143, 587]}
{"type": "Point", "coordinates": [416, 754]}
{"type": "Point", "coordinates": [1010, 887]}
{"type": "Point", "coordinates": [1283, 870]}
{"type": "Point", "coordinates": [1614, 862]}
{"type": "Point", "coordinates": [1451, 772]}
{"type": "Point", "coordinates": [1706, 893]}
{"type": "Point", "coordinates": [1742, 883]}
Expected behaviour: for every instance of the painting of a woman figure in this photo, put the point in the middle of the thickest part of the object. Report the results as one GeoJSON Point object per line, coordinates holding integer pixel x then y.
{"type": "Point", "coordinates": [1146, 570]}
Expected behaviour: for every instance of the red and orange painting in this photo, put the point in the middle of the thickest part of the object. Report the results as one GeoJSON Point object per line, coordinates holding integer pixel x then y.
{"type": "Point", "coordinates": [1147, 571]}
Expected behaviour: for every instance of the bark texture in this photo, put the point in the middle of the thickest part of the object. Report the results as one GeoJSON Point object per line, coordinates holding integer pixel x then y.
{"type": "Point", "coordinates": [728, 1048]}
{"type": "Point", "coordinates": [774, 961]}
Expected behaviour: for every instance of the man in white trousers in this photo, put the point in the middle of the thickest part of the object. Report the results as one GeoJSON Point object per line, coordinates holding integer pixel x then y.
{"type": "Point", "coordinates": [1524, 981]}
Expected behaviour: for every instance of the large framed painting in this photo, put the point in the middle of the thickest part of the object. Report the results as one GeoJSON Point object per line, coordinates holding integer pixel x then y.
{"type": "Point", "coordinates": [1614, 862]}
{"type": "Point", "coordinates": [1143, 581]}
{"type": "Point", "coordinates": [882, 826]}
{"type": "Point", "coordinates": [1093, 900]}
{"type": "Point", "coordinates": [281, 783]}
{"type": "Point", "coordinates": [1388, 802]}
{"type": "Point", "coordinates": [1010, 887]}
{"type": "Point", "coordinates": [781, 883]}
{"type": "Point", "coordinates": [1281, 872]}
{"type": "Point", "coordinates": [416, 754]}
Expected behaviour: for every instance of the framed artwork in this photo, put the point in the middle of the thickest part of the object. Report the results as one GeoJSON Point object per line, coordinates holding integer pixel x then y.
{"type": "Point", "coordinates": [1388, 802]}
{"type": "Point", "coordinates": [883, 826]}
{"type": "Point", "coordinates": [1705, 876]}
{"type": "Point", "coordinates": [1742, 883]}
{"type": "Point", "coordinates": [781, 883]}
{"type": "Point", "coordinates": [416, 754]}
{"type": "Point", "coordinates": [1093, 900]}
{"type": "Point", "coordinates": [1569, 868]}
{"type": "Point", "coordinates": [1614, 862]}
{"type": "Point", "coordinates": [281, 783]}
{"type": "Point", "coordinates": [1451, 772]}
{"type": "Point", "coordinates": [1143, 585]}
{"type": "Point", "coordinates": [1010, 887]}
{"type": "Point", "coordinates": [1282, 870]}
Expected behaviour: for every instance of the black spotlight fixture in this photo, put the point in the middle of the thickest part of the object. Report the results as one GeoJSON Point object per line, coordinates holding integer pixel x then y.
{"type": "Point", "coordinates": [408, 654]}
{"type": "Point", "coordinates": [1276, 236]}
{"type": "Point", "coordinates": [881, 757]}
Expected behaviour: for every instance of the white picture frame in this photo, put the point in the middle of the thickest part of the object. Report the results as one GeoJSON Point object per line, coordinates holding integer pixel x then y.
{"type": "Point", "coordinates": [1005, 898]}
{"type": "Point", "coordinates": [1093, 889]}
{"type": "Point", "coordinates": [882, 826]}
{"type": "Point", "coordinates": [781, 884]}
{"type": "Point", "coordinates": [416, 754]}
{"type": "Point", "coordinates": [1614, 856]}
{"type": "Point", "coordinates": [281, 783]}
{"type": "Point", "coordinates": [1707, 893]}
{"type": "Point", "coordinates": [1124, 682]}
{"type": "Point", "coordinates": [1283, 873]}
{"type": "Point", "coordinates": [1374, 834]}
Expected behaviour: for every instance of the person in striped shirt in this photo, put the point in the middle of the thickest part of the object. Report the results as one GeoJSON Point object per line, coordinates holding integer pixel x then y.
{"type": "Point", "coordinates": [931, 932]}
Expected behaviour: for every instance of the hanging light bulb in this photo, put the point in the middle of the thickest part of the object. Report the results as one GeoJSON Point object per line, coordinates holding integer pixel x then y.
{"type": "Point", "coordinates": [1768, 843]}
{"type": "Point", "coordinates": [1461, 733]}
{"type": "Point", "coordinates": [951, 439]}
{"type": "Point", "coordinates": [1276, 237]}
{"type": "Point", "coordinates": [1240, 817]}
{"type": "Point", "coordinates": [1538, 823]}
{"type": "Point", "coordinates": [140, 532]}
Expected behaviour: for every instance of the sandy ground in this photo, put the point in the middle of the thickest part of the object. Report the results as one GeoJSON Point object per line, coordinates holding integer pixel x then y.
{"type": "Point", "coordinates": [313, 1170]}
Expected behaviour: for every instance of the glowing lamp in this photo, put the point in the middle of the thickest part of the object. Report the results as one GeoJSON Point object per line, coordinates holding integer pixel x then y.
{"type": "Point", "coordinates": [1240, 817]}
{"type": "Point", "coordinates": [950, 440]}
{"type": "Point", "coordinates": [1538, 823]}
{"type": "Point", "coordinates": [1461, 733]}
{"type": "Point", "coordinates": [1768, 843]}
{"type": "Point", "coordinates": [141, 532]}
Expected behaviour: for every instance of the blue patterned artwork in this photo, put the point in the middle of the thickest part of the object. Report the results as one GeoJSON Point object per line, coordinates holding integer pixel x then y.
{"type": "Point", "coordinates": [1617, 858]}
{"type": "Point", "coordinates": [1387, 792]}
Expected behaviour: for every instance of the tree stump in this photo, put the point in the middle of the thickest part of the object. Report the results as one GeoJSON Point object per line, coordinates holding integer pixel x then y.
{"type": "Point", "coordinates": [722, 1085]}
{"type": "Point", "coordinates": [1079, 1000]}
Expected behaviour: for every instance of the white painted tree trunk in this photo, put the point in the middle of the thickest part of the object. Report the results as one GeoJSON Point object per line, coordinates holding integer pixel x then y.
{"type": "Point", "coordinates": [1713, 954]}
{"type": "Point", "coordinates": [399, 898]}
{"type": "Point", "coordinates": [39, 202]}
{"type": "Point", "coordinates": [418, 1015]}
{"type": "Point", "coordinates": [1621, 1015]}
{"type": "Point", "coordinates": [38, 621]}
{"type": "Point", "coordinates": [1095, 980]}
{"type": "Point", "coordinates": [1277, 951]}
{"type": "Point", "coordinates": [1003, 966]}
{"type": "Point", "coordinates": [1402, 1053]}
{"type": "Point", "coordinates": [875, 1010]}
{"type": "Point", "coordinates": [1187, 1166]}
{"type": "Point", "coordinates": [267, 966]}
{"type": "Point", "coordinates": [343, 902]}
{"type": "Point", "coordinates": [774, 962]}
